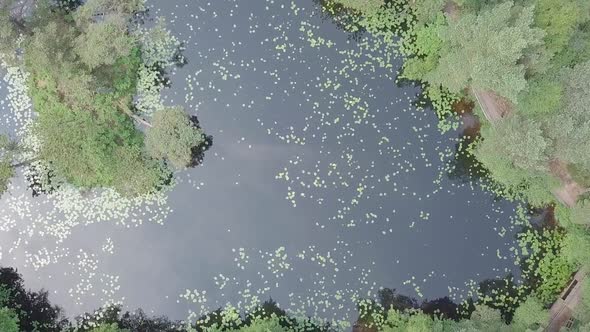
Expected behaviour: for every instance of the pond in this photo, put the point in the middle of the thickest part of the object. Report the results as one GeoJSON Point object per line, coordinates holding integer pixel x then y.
{"type": "Point", "coordinates": [324, 183]}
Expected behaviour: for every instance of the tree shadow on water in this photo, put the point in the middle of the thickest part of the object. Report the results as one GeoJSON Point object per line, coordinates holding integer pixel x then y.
{"type": "Point", "coordinates": [198, 152]}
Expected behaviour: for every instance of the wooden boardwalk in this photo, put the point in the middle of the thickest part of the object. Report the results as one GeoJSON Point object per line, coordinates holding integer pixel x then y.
{"type": "Point", "coordinates": [562, 310]}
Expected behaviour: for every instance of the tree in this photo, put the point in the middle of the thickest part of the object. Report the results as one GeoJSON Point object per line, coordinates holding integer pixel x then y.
{"type": "Point", "coordinates": [571, 125]}
{"type": "Point", "coordinates": [484, 318]}
{"type": "Point", "coordinates": [559, 20]}
{"type": "Point", "coordinates": [108, 328]}
{"type": "Point", "coordinates": [424, 50]}
{"type": "Point", "coordinates": [426, 10]}
{"type": "Point", "coordinates": [173, 137]}
{"type": "Point", "coordinates": [83, 77]}
{"type": "Point", "coordinates": [8, 33]}
{"type": "Point", "coordinates": [576, 246]}
{"type": "Point", "coordinates": [517, 140]}
{"type": "Point", "coordinates": [542, 97]}
{"type": "Point", "coordinates": [530, 315]}
{"type": "Point", "coordinates": [102, 43]}
{"type": "Point", "coordinates": [487, 48]}
{"type": "Point", "coordinates": [272, 324]}
{"type": "Point", "coordinates": [34, 311]}
{"type": "Point", "coordinates": [112, 319]}
{"type": "Point", "coordinates": [8, 320]}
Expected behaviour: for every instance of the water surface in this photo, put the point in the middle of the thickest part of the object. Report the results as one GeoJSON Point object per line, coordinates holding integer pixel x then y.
{"type": "Point", "coordinates": [324, 183]}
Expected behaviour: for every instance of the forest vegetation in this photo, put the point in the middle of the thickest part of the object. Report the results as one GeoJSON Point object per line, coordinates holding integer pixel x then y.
{"type": "Point", "coordinates": [86, 63]}
{"type": "Point", "coordinates": [525, 66]}
{"type": "Point", "coordinates": [22, 310]}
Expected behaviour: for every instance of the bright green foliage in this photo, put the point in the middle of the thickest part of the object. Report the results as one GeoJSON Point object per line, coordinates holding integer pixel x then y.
{"type": "Point", "coordinates": [484, 313]}
{"type": "Point", "coordinates": [100, 150]}
{"type": "Point", "coordinates": [487, 48]}
{"type": "Point", "coordinates": [576, 246]}
{"type": "Point", "coordinates": [515, 152]}
{"type": "Point", "coordinates": [108, 328]}
{"type": "Point", "coordinates": [530, 315]}
{"type": "Point", "coordinates": [271, 324]}
{"type": "Point", "coordinates": [173, 137]}
{"type": "Point", "coordinates": [542, 97]}
{"type": "Point", "coordinates": [8, 320]}
{"type": "Point", "coordinates": [424, 49]}
{"type": "Point", "coordinates": [134, 175]}
{"type": "Point", "coordinates": [577, 51]}
{"type": "Point", "coordinates": [102, 43]}
{"type": "Point", "coordinates": [483, 318]}
{"type": "Point", "coordinates": [545, 267]}
{"type": "Point", "coordinates": [417, 68]}
{"type": "Point", "coordinates": [571, 125]}
{"type": "Point", "coordinates": [517, 140]}
{"type": "Point", "coordinates": [558, 19]}
{"type": "Point", "coordinates": [401, 321]}
{"type": "Point", "coordinates": [577, 85]}
{"type": "Point", "coordinates": [426, 11]}
{"type": "Point", "coordinates": [267, 317]}
{"type": "Point", "coordinates": [84, 73]}
{"type": "Point", "coordinates": [428, 41]}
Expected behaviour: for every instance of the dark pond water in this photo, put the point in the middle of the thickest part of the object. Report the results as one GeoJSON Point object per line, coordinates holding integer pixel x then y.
{"type": "Point", "coordinates": [324, 183]}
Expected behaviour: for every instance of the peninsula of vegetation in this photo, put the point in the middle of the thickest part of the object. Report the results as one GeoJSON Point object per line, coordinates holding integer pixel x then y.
{"type": "Point", "coordinates": [92, 74]}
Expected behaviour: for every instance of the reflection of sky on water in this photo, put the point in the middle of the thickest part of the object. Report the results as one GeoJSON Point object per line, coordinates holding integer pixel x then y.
{"type": "Point", "coordinates": [366, 203]}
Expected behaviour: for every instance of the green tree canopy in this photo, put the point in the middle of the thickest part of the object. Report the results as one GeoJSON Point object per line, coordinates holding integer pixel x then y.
{"type": "Point", "coordinates": [559, 20]}
{"type": "Point", "coordinates": [104, 42]}
{"type": "Point", "coordinates": [571, 125]}
{"type": "Point", "coordinates": [173, 137]}
{"type": "Point", "coordinates": [8, 320]}
{"type": "Point", "coordinates": [515, 139]}
{"type": "Point", "coordinates": [83, 76]}
{"type": "Point", "coordinates": [109, 328]}
{"type": "Point", "coordinates": [485, 50]}
{"type": "Point", "coordinates": [530, 315]}
{"type": "Point", "coordinates": [8, 32]}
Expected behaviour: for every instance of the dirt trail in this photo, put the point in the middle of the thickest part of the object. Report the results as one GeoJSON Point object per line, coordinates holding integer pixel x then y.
{"type": "Point", "coordinates": [452, 10]}
{"type": "Point", "coordinates": [494, 106]}
{"type": "Point", "coordinates": [570, 190]}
